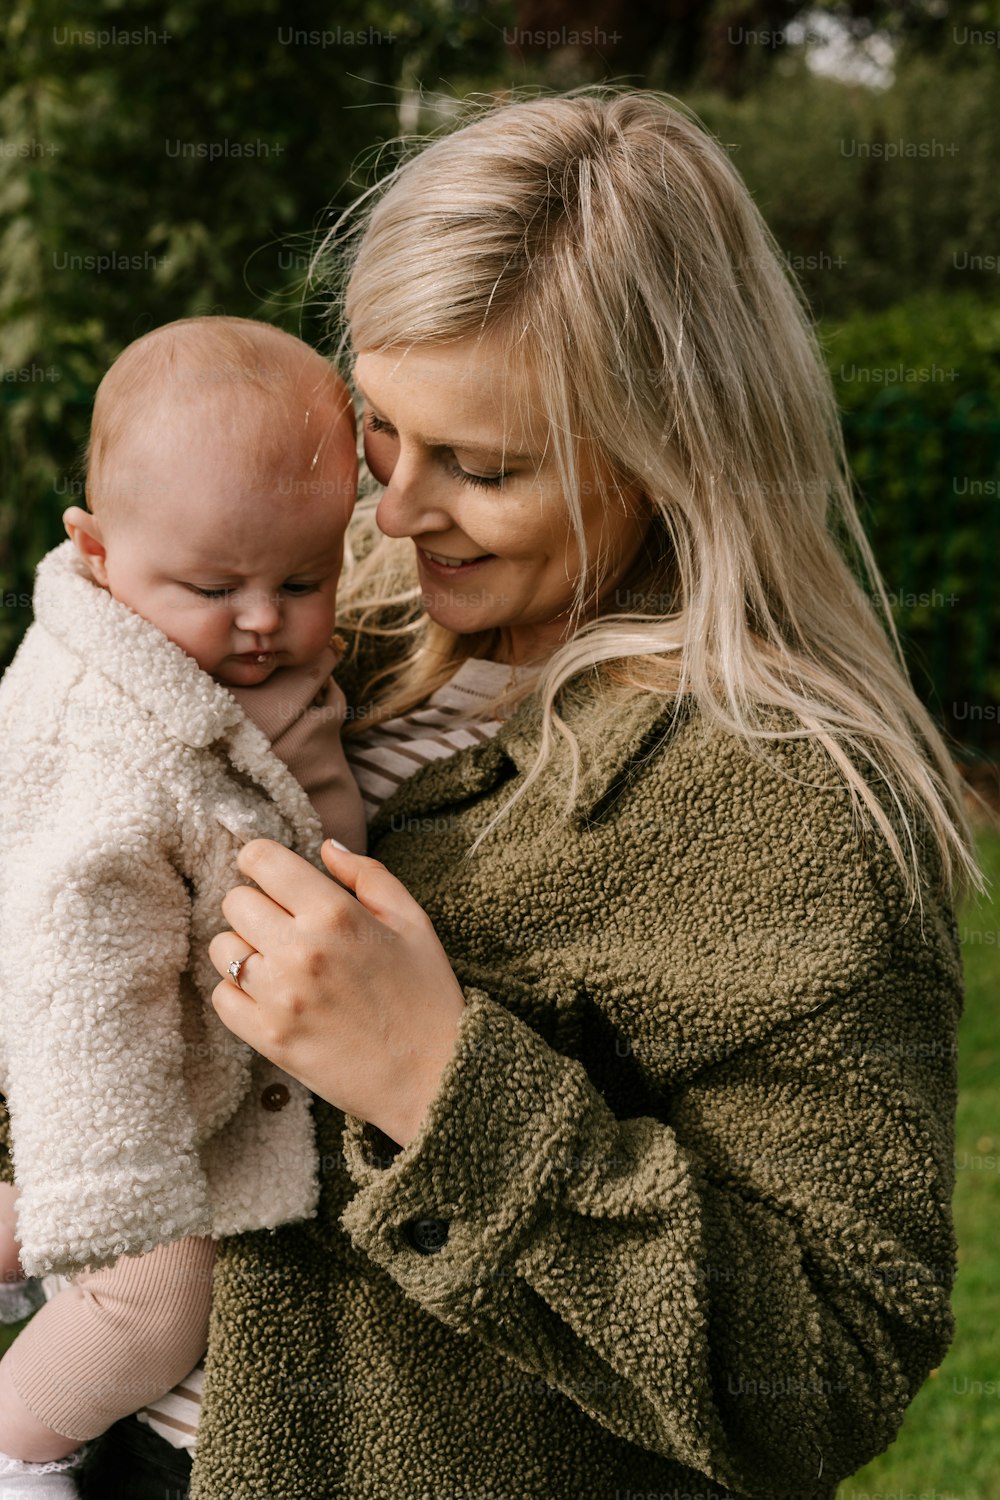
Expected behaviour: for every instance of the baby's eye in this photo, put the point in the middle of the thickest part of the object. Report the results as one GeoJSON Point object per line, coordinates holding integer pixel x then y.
{"type": "Point", "coordinates": [221, 593]}
{"type": "Point", "coordinates": [299, 588]}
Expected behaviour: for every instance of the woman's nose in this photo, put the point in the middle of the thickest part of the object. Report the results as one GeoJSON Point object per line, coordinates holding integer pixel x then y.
{"type": "Point", "coordinates": [411, 503]}
{"type": "Point", "coordinates": [258, 614]}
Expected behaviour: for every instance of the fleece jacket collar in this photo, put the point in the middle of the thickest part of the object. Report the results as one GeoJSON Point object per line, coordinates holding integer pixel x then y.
{"type": "Point", "coordinates": [111, 639]}
{"type": "Point", "coordinates": [617, 729]}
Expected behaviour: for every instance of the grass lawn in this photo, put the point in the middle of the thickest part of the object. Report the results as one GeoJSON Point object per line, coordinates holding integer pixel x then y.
{"type": "Point", "coordinates": [949, 1446]}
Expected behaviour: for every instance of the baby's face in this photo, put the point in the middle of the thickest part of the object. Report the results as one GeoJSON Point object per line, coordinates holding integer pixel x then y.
{"type": "Point", "coordinates": [244, 581]}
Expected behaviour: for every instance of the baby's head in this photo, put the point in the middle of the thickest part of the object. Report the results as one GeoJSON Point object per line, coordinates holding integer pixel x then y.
{"type": "Point", "coordinates": [221, 475]}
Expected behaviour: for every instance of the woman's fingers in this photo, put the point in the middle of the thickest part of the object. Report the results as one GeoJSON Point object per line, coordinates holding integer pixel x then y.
{"type": "Point", "coordinates": [349, 989]}
{"type": "Point", "coordinates": [286, 877]}
{"type": "Point", "coordinates": [299, 888]}
{"type": "Point", "coordinates": [237, 1010]}
{"type": "Point", "coordinates": [379, 892]}
{"type": "Point", "coordinates": [227, 946]}
{"type": "Point", "coordinates": [263, 922]}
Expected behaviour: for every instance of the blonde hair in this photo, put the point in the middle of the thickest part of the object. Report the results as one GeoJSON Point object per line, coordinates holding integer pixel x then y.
{"type": "Point", "coordinates": [267, 392]}
{"type": "Point", "coordinates": [607, 241]}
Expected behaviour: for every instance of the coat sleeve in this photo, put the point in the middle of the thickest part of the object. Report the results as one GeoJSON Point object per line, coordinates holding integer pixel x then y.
{"type": "Point", "coordinates": [103, 1136]}
{"type": "Point", "coordinates": [754, 1278]}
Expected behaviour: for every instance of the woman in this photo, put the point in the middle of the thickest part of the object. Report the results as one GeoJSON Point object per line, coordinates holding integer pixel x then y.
{"type": "Point", "coordinates": [632, 1041]}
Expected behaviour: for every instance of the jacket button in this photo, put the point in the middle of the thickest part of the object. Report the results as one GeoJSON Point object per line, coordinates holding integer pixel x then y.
{"type": "Point", "coordinates": [427, 1236]}
{"type": "Point", "coordinates": [275, 1097]}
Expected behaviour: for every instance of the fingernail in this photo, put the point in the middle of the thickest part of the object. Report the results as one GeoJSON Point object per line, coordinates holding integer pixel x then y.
{"type": "Point", "coordinates": [337, 845]}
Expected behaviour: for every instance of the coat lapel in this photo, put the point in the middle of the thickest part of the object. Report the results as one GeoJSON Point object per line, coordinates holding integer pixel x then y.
{"type": "Point", "coordinates": [469, 772]}
{"type": "Point", "coordinates": [250, 752]}
{"type": "Point", "coordinates": [617, 728]}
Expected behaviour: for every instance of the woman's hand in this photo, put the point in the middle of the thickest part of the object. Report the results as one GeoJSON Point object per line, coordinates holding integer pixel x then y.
{"type": "Point", "coordinates": [347, 987]}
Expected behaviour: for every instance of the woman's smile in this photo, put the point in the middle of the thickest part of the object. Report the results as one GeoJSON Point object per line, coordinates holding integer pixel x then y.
{"type": "Point", "coordinates": [443, 567]}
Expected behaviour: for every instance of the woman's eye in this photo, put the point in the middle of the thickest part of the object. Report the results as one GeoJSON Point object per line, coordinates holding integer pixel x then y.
{"type": "Point", "coordinates": [376, 424]}
{"type": "Point", "coordinates": [478, 481]}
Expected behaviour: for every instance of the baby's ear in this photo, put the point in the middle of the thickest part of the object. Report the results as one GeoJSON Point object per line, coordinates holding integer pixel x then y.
{"type": "Point", "coordinates": [84, 531]}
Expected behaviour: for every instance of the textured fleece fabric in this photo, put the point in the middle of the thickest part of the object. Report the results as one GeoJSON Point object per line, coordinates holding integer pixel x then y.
{"type": "Point", "coordinates": [693, 1151]}
{"type": "Point", "coordinates": [129, 780]}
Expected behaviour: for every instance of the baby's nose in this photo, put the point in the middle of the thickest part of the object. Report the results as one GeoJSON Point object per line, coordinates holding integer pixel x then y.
{"type": "Point", "coordinates": [259, 614]}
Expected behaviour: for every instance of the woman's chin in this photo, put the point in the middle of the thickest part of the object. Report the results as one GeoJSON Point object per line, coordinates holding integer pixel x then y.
{"type": "Point", "coordinates": [462, 619]}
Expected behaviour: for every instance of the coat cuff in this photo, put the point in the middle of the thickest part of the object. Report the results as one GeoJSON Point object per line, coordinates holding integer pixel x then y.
{"type": "Point", "coordinates": [481, 1167]}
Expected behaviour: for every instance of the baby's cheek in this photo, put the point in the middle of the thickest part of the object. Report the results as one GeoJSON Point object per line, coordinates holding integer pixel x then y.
{"type": "Point", "coordinates": [317, 623]}
{"type": "Point", "coordinates": [203, 635]}
{"type": "Point", "coordinates": [381, 452]}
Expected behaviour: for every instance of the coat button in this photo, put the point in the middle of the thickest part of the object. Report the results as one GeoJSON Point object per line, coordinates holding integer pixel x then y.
{"type": "Point", "coordinates": [427, 1236]}
{"type": "Point", "coordinates": [275, 1097]}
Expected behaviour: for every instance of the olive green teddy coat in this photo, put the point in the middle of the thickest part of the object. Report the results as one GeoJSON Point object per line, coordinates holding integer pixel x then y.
{"type": "Point", "coordinates": [677, 1221]}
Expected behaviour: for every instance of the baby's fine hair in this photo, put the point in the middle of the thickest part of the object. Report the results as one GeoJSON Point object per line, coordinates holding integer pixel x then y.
{"type": "Point", "coordinates": [606, 241]}
{"type": "Point", "coordinates": [256, 382]}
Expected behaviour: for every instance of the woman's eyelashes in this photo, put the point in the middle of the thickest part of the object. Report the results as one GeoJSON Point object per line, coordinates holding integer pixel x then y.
{"type": "Point", "coordinates": [451, 464]}
{"type": "Point", "coordinates": [478, 481]}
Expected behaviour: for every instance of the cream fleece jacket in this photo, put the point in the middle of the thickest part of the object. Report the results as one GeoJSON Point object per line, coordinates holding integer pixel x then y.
{"type": "Point", "coordinates": [129, 781]}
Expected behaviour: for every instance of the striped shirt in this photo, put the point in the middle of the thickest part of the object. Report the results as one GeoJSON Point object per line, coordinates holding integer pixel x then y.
{"type": "Point", "coordinates": [381, 758]}
{"type": "Point", "coordinates": [384, 756]}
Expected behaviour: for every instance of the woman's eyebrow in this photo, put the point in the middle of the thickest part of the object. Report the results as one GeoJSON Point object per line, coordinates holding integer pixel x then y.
{"type": "Point", "coordinates": [483, 450]}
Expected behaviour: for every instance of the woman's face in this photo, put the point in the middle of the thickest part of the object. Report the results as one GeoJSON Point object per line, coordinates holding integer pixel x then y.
{"type": "Point", "coordinates": [460, 442]}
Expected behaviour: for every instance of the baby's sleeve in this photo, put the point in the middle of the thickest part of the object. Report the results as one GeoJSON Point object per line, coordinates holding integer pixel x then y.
{"type": "Point", "coordinates": [103, 1135]}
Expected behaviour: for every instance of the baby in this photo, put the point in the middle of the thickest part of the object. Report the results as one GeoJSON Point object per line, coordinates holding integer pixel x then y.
{"type": "Point", "coordinates": [172, 699]}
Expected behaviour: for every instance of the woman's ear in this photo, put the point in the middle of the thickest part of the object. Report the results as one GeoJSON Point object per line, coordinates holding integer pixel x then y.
{"type": "Point", "coordinates": [84, 531]}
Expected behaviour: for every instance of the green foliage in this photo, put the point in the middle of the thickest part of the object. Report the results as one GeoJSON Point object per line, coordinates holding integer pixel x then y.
{"type": "Point", "coordinates": [731, 47]}
{"type": "Point", "coordinates": [159, 161]}
{"type": "Point", "coordinates": [873, 196]}
{"type": "Point", "coordinates": [919, 385]}
{"type": "Point", "coordinates": [189, 168]}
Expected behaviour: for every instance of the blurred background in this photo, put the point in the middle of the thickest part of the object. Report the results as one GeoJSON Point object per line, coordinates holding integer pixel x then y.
{"type": "Point", "coordinates": [160, 160]}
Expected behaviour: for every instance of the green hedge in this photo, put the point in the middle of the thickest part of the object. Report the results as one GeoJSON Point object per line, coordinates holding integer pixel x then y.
{"type": "Point", "coordinates": [873, 195]}
{"type": "Point", "coordinates": [919, 387]}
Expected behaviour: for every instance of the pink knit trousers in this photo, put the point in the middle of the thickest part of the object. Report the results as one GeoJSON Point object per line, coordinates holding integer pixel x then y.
{"type": "Point", "coordinates": [114, 1340]}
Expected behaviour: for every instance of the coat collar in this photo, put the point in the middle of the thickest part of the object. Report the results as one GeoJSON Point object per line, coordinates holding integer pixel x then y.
{"type": "Point", "coordinates": [616, 727]}
{"type": "Point", "coordinates": [112, 640]}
